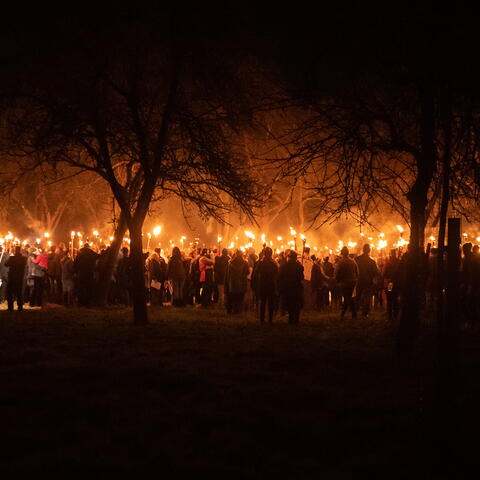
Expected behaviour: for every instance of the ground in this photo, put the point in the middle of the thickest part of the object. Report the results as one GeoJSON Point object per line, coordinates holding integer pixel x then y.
{"type": "Point", "coordinates": [197, 392]}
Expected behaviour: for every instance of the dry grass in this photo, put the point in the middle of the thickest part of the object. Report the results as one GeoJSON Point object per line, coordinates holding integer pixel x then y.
{"type": "Point", "coordinates": [196, 392]}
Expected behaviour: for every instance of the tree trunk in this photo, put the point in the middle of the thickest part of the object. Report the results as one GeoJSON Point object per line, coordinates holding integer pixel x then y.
{"type": "Point", "coordinates": [139, 294]}
{"type": "Point", "coordinates": [107, 268]}
{"type": "Point", "coordinates": [416, 266]}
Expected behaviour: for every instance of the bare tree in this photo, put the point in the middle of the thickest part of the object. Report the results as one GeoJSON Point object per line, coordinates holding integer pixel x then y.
{"type": "Point", "coordinates": [144, 113]}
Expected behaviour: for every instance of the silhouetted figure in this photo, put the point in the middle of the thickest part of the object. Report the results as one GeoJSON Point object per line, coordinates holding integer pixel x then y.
{"type": "Point", "coordinates": [219, 273]}
{"type": "Point", "coordinates": [290, 287]}
{"type": "Point", "coordinates": [84, 266]}
{"type": "Point", "coordinates": [264, 283]}
{"type": "Point", "coordinates": [236, 282]}
{"type": "Point", "coordinates": [320, 283]}
{"type": "Point", "coordinates": [308, 294]}
{"type": "Point", "coordinates": [54, 275]}
{"type": "Point", "coordinates": [368, 276]}
{"type": "Point", "coordinates": [346, 276]}
{"type": "Point", "coordinates": [39, 264]}
{"type": "Point", "coordinates": [205, 265]}
{"type": "Point", "coordinates": [195, 278]}
{"type": "Point", "coordinates": [68, 279]}
{"type": "Point", "coordinates": [16, 273]}
{"type": "Point", "coordinates": [157, 274]}
{"type": "Point", "coordinates": [391, 284]}
{"type": "Point", "coordinates": [4, 256]}
{"type": "Point", "coordinates": [176, 274]}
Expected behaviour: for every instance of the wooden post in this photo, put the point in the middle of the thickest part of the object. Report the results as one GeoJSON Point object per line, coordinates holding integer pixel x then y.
{"type": "Point", "coordinates": [446, 409]}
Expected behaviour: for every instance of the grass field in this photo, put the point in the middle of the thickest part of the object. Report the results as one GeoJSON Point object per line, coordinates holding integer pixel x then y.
{"type": "Point", "coordinates": [199, 393]}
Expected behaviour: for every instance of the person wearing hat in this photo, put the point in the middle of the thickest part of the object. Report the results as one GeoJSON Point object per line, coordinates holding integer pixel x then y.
{"type": "Point", "coordinates": [290, 286]}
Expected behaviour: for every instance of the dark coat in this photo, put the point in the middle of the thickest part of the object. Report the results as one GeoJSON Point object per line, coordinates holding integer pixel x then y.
{"type": "Point", "coordinates": [290, 284]}
{"type": "Point", "coordinates": [236, 277]}
{"type": "Point", "coordinates": [367, 270]}
{"type": "Point", "coordinates": [176, 269]}
{"type": "Point", "coordinates": [16, 268]}
{"type": "Point", "coordinates": [84, 263]}
{"type": "Point", "coordinates": [264, 277]}
{"type": "Point", "coordinates": [220, 269]}
{"type": "Point", "coordinates": [346, 272]}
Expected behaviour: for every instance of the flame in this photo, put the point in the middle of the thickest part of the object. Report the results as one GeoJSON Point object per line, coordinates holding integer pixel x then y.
{"type": "Point", "coordinates": [302, 236]}
{"type": "Point", "coordinates": [72, 233]}
{"type": "Point", "coordinates": [95, 233]}
{"type": "Point", "coordinates": [292, 231]}
{"type": "Point", "coordinates": [279, 238]}
{"type": "Point", "coordinates": [249, 234]}
{"type": "Point", "coordinates": [381, 244]}
{"type": "Point", "coordinates": [400, 228]}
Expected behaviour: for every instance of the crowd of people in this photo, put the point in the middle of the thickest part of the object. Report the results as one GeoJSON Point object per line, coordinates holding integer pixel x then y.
{"type": "Point", "coordinates": [269, 283]}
